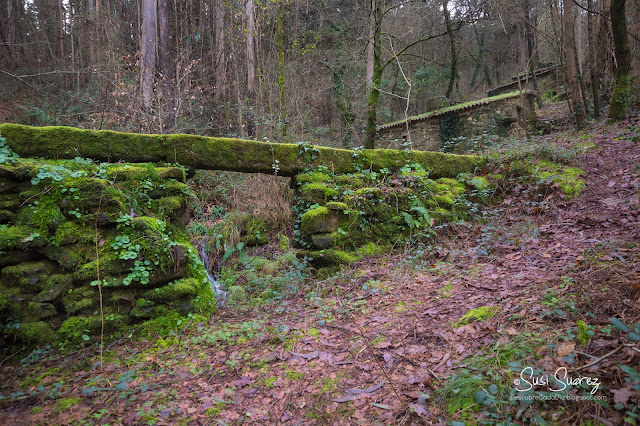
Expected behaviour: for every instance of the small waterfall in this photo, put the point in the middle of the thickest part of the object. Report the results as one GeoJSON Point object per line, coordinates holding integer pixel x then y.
{"type": "Point", "coordinates": [221, 295]}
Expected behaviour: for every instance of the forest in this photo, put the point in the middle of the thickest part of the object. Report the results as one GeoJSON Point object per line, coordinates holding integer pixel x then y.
{"type": "Point", "coordinates": [320, 212]}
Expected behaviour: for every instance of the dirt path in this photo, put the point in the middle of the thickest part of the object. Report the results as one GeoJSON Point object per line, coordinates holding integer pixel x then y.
{"type": "Point", "coordinates": [368, 346]}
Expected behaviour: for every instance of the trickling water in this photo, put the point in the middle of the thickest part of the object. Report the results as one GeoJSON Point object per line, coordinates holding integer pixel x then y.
{"type": "Point", "coordinates": [216, 288]}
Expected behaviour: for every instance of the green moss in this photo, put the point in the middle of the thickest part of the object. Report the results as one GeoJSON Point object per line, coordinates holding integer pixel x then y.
{"type": "Point", "coordinates": [480, 314]}
{"type": "Point", "coordinates": [312, 177]}
{"type": "Point", "coordinates": [215, 153]}
{"type": "Point", "coordinates": [334, 205]}
{"type": "Point", "coordinates": [331, 257]}
{"type": "Point", "coordinates": [214, 411]}
{"type": "Point", "coordinates": [371, 249]}
{"type": "Point", "coordinates": [30, 276]}
{"type": "Point", "coordinates": [35, 311]}
{"type": "Point", "coordinates": [73, 328]}
{"type": "Point", "coordinates": [620, 96]}
{"type": "Point", "coordinates": [7, 216]}
{"type": "Point", "coordinates": [283, 242]}
{"type": "Point", "coordinates": [567, 179]}
{"type": "Point", "coordinates": [313, 220]}
{"type": "Point", "coordinates": [318, 193]}
{"type": "Point", "coordinates": [455, 108]}
{"type": "Point", "coordinates": [66, 403]}
{"type": "Point", "coordinates": [71, 256]}
{"type": "Point", "coordinates": [293, 375]}
{"type": "Point", "coordinates": [455, 187]}
{"type": "Point", "coordinates": [20, 237]}
{"type": "Point", "coordinates": [80, 299]}
{"type": "Point", "coordinates": [269, 381]}
{"type": "Point", "coordinates": [71, 232]}
{"type": "Point", "coordinates": [479, 183]}
{"type": "Point", "coordinates": [181, 289]}
{"type": "Point", "coordinates": [325, 240]}
{"type": "Point", "coordinates": [33, 333]}
{"type": "Point", "coordinates": [9, 202]}
{"type": "Point", "coordinates": [171, 207]}
{"type": "Point", "coordinates": [444, 201]}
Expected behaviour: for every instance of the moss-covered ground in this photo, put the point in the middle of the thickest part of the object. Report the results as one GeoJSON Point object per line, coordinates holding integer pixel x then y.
{"type": "Point", "coordinates": [375, 341]}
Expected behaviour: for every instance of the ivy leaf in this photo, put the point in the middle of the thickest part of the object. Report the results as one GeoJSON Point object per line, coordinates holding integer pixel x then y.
{"type": "Point", "coordinates": [479, 396]}
{"type": "Point", "coordinates": [619, 325]}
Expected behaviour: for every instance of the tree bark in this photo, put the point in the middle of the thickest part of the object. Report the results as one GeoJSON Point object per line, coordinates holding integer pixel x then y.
{"type": "Point", "coordinates": [282, 94]}
{"type": "Point", "coordinates": [620, 96]}
{"type": "Point", "coordinates": [11, 26]}
{"type": "Point", "coordinates": [453, 65]}
{"type": "Point", "coordinates": [60, 26]}
{"type": "Point", "coordinates": [251, 66]}
{"type": "Point", "coordinates": [148, 45]}
{"type": "Point", "coordinates": [374, 92]}
{"type": "Point", "coordinates": [166, 63]}
{"type": "Point", "coordinates": [573, 87]}
{"type": "Point", "coordinates": [593, 71]}
{"type": "Point", "coordinates": [220, 61]}
{"type": "Point", "coordinates": [370, 45]}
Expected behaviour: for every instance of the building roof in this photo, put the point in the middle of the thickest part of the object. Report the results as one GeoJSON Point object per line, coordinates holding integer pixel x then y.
{"type": "Point", "coordinates": [464, 106]}
{"type": "Point", "coordinates": [523, 76]}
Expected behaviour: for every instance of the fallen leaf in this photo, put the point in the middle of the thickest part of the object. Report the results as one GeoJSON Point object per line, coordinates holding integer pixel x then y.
{"type": "Point", "coordinates": [565, 349]}
{"type": "Point", "coordinates": [355, 391]}
{"type": "Point", "coordinates": [611, 201]}
{"type": "Point", "coordinates": [621, 396]}
{"type": "Point", "coordinates": [345, 398]}
{"type": "Point", "coordinates": [418, 409]}
{"type": "Point", "coordinates": [383, 406]}
{"type": "Point", "coordinates": [244, 381]}
{"type": "Point", "coordinates": [311, 355]}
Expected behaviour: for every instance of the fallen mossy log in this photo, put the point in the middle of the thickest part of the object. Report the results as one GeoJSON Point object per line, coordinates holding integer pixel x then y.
{"type": "Point", "coordinates": [200, 152]}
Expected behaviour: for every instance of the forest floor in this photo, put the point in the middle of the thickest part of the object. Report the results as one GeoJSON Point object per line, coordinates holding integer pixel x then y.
{"type": "Point", "coordinates": [377, 345]}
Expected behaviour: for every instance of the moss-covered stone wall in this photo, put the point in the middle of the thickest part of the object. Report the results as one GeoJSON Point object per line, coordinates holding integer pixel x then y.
{"type": "Point", "coordinates": [428, 132]}
{"type": "Point", "coordinates": [344, 217]}
{"type": "Point", "coordinates": [75, 234]}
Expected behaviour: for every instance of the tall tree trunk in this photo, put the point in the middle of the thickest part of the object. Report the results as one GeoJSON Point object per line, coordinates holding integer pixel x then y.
{"type": "Point", "coordinates": [604, 57]}
{"type": "Point", "coordinates": [370, 46]}
{"type": "Point", "coordinates": [573, 86]}
{"type": "Point", "coordinates": [90, 45]}
{"type": "Point", "coordinates": [166, 63]}
{"type": "Point", "coordinates": [374, 92]}
{"type": "Point", "coordinates": [11, 26]}
{"type": "Point", "coordinates": [530, 29]}
{"type": "Point", "coordinates": [60, 26]}
{"type": "Point", "coordinates": [251, 66]}
{"type": "Point", "coordinates": [593, 72]}
{"type": "Point", "coordinates": [221, 63]}
{"type": "Point", "coordinates": [281, 76]}
{"type": "Point", "coordinates": [620, 96]}
{"type": "Point", "coordinates": [148, 44]}
{"type": "Point", "coordinates": [453, 66]}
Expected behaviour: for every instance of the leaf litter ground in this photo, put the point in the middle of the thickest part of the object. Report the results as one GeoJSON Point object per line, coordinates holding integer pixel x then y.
{"type": "Point", "coordinates": [376, 344]}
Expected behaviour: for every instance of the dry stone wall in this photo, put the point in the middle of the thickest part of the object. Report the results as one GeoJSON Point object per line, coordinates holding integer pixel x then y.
{"type": "Point", "coordinates": [68, 225]}
{"type": "Point", "coordinates": [428, 132]}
